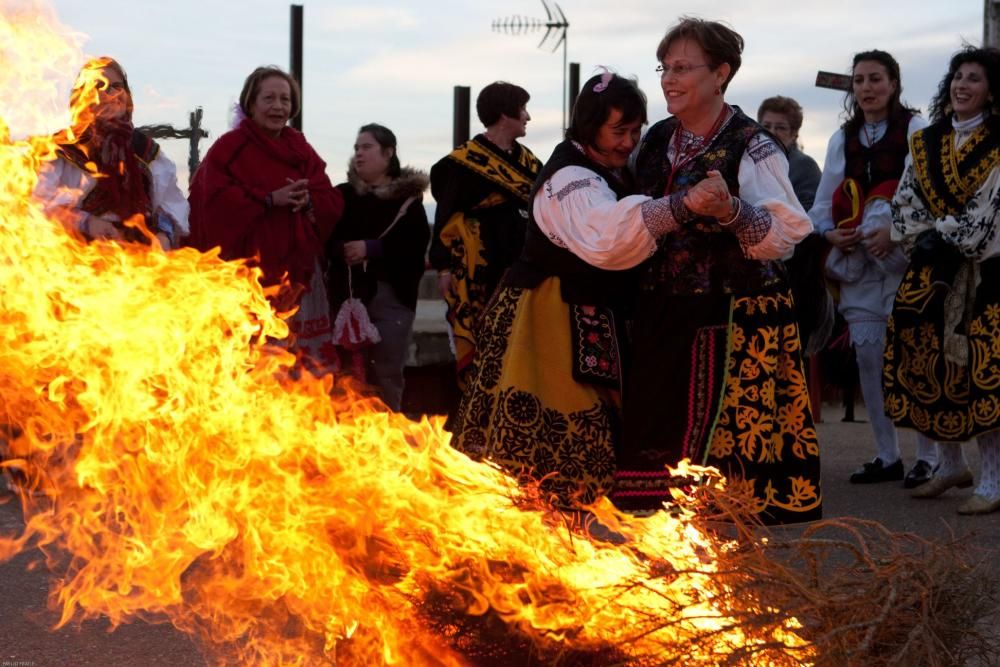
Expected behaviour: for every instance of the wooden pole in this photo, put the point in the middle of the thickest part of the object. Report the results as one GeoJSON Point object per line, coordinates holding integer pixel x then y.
{"type": "Point", "coordinates": [194, 156]}
{"type": "Point", "coordinates": [574, 86]}
{"type": "Point", "coordinates": [296, 59]}
{"type": "Point", "coordinates": [991, 23]}
{"type": "Point", "coordinates": [460, 124]}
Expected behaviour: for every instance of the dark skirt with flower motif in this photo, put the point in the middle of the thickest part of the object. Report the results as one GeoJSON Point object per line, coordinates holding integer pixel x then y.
{"type": "Point", "coordinates": [541, 401]}
{"type": "Point", "coordinates": [946, 396]}
{"type": "Point", "coordinates": [728, 390]}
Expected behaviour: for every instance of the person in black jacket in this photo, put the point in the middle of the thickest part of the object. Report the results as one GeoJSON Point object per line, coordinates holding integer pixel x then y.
{"type": "Point", "coordinates": [377, 251]}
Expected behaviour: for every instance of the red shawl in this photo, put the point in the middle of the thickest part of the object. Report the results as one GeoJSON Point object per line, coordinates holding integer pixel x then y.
{"type": "Point", "coordinates": [229, 202]}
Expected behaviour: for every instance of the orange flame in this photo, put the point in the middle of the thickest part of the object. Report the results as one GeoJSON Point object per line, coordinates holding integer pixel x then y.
{"type": "Point", "coordinates": [186, 475]}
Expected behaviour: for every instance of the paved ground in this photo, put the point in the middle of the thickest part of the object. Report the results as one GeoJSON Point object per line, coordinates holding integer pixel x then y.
{"type": "Point", "coordinates": [25, 640]}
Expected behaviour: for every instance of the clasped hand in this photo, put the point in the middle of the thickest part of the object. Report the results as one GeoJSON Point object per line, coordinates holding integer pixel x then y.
{"type": "Point", "coordinates": [355, 252]}
{"type": "Point", "coordinates": [295, 194]}
{"type": "Point", "coordinates": [710, 197]}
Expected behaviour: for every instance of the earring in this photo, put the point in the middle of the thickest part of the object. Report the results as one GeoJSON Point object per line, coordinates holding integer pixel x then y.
{"type": "Point", "coordinates": [718, 90]}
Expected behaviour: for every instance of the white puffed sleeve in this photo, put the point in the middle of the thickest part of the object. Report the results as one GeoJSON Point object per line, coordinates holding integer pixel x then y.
{"type": "Point", "coordinates": [834, 168]}
{"type": "Point", "coordinates": [61, 184]}
{"type": "Point", "coordinates": [770, 220]}
{"type": "Point", "coordinates": [166, 195]}
{"type": "Point", "coordinates": [577, 210]}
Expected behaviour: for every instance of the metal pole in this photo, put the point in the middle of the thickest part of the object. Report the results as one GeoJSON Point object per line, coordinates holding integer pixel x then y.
{"type": "Point", "coordinates": [296, 59]}
{"type": "Point", "coordinates": [574, 85]}
{"type": "Point", "coordinates": [460, 126]}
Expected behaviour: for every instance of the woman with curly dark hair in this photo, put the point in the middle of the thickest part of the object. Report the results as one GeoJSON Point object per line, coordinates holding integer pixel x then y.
{"type": "Point", "coordinates": [942, 358]}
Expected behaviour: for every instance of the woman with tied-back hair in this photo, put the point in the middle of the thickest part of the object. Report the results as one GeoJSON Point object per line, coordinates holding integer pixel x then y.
{"type": "Point", "coordinates": [106, 172]}
{"type": "Point", "coordinates": [377, 251]}
{"type": "Point", "coordinates": [262, 194]}
{"type": "Point", "coordinates": [942, 358]}
{"type": "Point", "coordinates": [864, 161]}
{"type": "Point", "coordinates": [717, 372]}
{"type": "Point", "coordinates": [545, 388]}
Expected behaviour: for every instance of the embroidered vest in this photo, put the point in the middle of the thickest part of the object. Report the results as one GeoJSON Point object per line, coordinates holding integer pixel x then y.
{"type": "Point", "coordinates": [702, 257]}
{"type": "Point", "coordinates": [883, 160]}
{"type": "Point", "coordinates": [581, 283]}
{"type": "Point", "coordinates": [949, 176]}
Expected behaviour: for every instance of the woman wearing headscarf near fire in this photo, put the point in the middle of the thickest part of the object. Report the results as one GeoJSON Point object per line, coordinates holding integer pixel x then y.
{"type": "Point", "coordinates": [262, 194]}
{"type": "Point", "coordinates": [106, 172]}
{"type": "Point", "coordinates": [864, 161]}
{"type": "Point", "coordinates": [717, 373]}
{"type": "Point", "coordinates": [942, 359]}
{"type": "Point", "coordinates": [545, 384]}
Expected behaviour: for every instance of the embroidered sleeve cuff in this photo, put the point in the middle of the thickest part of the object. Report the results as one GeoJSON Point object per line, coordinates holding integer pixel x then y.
{"type": "Point", "coordinates": [751, 224]}
{"type": "Point", "coordinates": [665, 215]}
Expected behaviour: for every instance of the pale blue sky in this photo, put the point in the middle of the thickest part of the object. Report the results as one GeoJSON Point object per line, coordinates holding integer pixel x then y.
{"type": "Point", "coordinates": [395, 61]}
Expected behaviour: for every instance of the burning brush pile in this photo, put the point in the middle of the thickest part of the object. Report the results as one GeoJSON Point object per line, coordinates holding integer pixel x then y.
{"type": "Point", "coordinates": [181, 473]}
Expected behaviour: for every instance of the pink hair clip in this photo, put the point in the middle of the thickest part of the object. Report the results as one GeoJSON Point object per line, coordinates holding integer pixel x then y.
{"type": "Point", "coordinates": [605, 80]}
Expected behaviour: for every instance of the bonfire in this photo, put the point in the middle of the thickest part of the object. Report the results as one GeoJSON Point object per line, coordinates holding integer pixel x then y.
{"type": "Point", "coordinates": [176, 469]}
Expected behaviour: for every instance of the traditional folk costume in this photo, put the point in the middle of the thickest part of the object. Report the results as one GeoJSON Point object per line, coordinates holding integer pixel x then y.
{"type": "Point", "coordinates": [860, 176]}
{"type": "Point", "coordinates": [942, 358]}
{"type": "Point", "coordinates": [133, 178]}
{"type": "Point", "coordinates": [544, 391]}
{"type": "Point", "coordinates": [231, 209]}
{"type": "Point", "coordinates": [391, 220]}
{"type": "Point", "coordinates": [482, 210]}
{"type": "Point", "coordinates": [717, 372]}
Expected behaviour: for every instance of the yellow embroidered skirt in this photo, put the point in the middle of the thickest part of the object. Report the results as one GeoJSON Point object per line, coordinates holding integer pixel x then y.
{"type": "Point", "coordinates": [523, 408]}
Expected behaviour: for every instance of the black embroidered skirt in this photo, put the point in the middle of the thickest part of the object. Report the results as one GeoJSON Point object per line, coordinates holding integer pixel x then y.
{"type": "Point", "coordinates": [720, 381]}
{"type": "Point", "coordinates": [925, 389]}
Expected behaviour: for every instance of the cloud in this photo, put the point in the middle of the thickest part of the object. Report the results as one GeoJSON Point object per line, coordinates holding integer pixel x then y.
{"type": "Point", "coordinates": [357, 19]}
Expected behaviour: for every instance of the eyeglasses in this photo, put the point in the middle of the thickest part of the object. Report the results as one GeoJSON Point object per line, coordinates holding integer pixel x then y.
{"type": "Point", "coordinates": [776, 127]}
{"type": "Point", "coordinates": [678, 70]}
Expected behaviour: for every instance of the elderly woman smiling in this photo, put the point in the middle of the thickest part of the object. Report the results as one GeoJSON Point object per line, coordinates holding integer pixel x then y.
{"type": "Point", "coordinates": [262, 194]}
{"type": "Point", "coordinates": [717, 372]}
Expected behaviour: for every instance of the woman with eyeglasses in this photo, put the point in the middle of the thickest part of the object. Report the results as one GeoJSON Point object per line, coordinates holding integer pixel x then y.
{"type": "Point", "coordinates": [864, 161]}
{"type": "Point", "coordinates": [717, 373]}
{"type": "Point", "coordinates": [942, 360]}
{"type": "Point", "coordinates": [545, 392]}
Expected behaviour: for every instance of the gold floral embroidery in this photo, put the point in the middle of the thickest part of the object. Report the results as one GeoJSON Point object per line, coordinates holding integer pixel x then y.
{"type": "Point", "coordinates": [765, 417]}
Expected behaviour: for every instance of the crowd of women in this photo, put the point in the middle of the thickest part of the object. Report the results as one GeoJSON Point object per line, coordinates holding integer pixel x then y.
{"type": "Point", "coordinates": [641, 298]}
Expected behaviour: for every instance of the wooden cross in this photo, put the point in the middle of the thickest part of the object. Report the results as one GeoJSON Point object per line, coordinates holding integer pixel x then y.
{"type": "Point", "coordinates": [194, 134]}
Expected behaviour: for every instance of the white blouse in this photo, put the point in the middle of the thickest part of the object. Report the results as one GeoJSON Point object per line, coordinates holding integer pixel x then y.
{"type": "Point", "coordinates": [62, 184]}
{"type": "Point", "coordinates": [877, 213]}
{"type": "Point", "coordinates": [578, 210]}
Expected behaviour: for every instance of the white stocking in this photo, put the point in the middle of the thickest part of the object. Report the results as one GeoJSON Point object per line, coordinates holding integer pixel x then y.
{"type": "Point", "coordinates": [869, 356]}
{"type": "Point", "coordinates": [927, 450]}
{"type": "Point", "coordinates": [989, 454]}
{"type": "Point", "coordinates": [952, 459]}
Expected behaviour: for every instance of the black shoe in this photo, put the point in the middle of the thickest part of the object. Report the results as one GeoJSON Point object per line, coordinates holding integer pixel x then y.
{"type": "Point", "coordinates": [876, 471]}
{"type": "Point", "coordinates": [920, 473]}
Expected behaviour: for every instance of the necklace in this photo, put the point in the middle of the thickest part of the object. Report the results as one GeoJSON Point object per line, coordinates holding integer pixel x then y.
{"type": "Point", "coordinates": [872, 137]}
{"type": "Point", "coordinates": [692, 145]}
